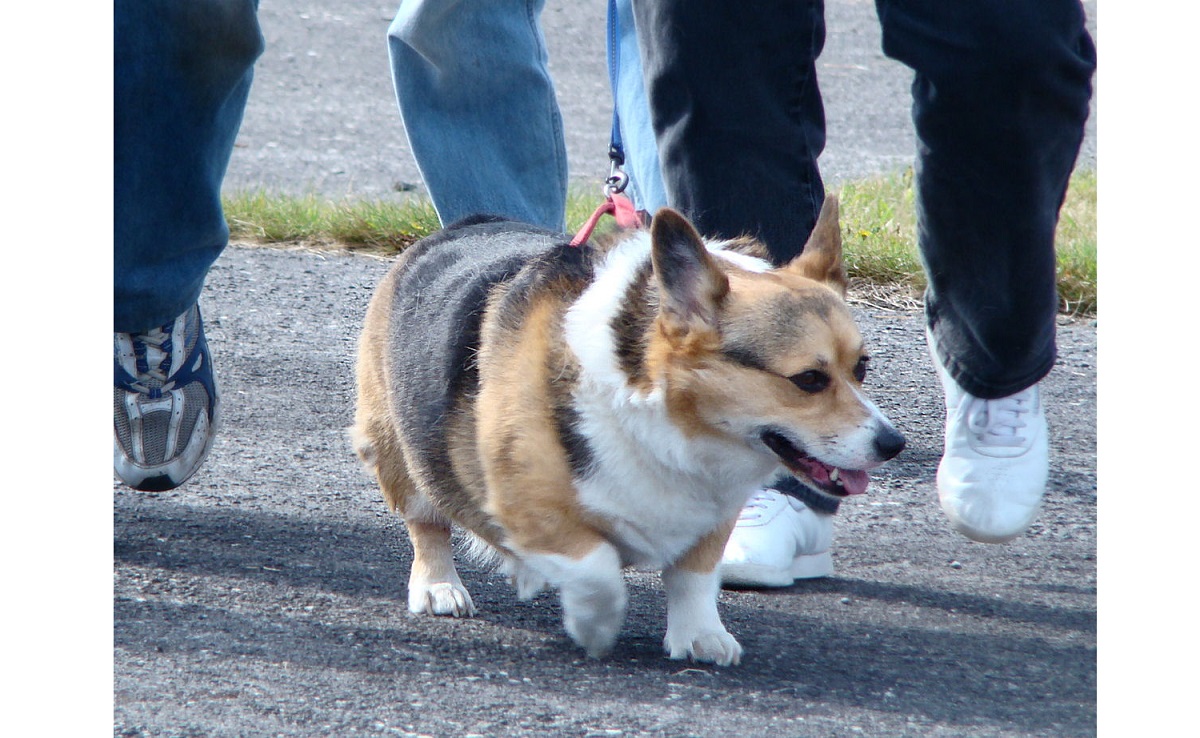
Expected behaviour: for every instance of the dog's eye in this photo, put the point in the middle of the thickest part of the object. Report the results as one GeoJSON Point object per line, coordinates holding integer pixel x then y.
{"type": "Point", "coordinates": [860, 369]}
{"type": "Point", "coordinates": [811, 381]}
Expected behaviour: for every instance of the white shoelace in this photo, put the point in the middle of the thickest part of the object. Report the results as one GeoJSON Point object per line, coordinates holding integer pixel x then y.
{"type": "Point", "coordinates": [754, 507]}
{"type": "Point", "coordinates": [999, 422]}
{"type": "Point", "coordinates": [157, 360]}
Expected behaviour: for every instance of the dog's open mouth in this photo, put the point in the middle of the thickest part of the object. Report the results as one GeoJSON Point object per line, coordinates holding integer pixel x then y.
{"type": "Point", "coordinates": [826, 478]}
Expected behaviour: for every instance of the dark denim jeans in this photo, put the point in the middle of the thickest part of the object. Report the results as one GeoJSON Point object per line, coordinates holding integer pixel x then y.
{"type": "Point", "coordinates": [182, 72]}
{"type": "Point", "coordinates": [1000, 98]}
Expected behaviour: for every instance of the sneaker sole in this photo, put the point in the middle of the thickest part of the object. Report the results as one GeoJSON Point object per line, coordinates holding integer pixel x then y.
{"type": "Point", "coordinates": [757, 576]}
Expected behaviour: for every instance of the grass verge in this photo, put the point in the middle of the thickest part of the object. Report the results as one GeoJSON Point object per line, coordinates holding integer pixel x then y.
{"type": "Point", "coordinates": [878, 232]}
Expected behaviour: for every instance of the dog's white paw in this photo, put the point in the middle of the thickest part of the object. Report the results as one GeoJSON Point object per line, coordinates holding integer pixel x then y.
{"type": "Point", "coordinates": [595, 631]}
{"type": "Point", "coordinates": [440, 598]}
{"type": "Point", "coordinates": [712, 646]}
{"type": "Point", "coordinates": [694, 628]}
{"type": "Point", "coordinates": [527, 581]}
{"type": "Point", "coordinates": [592, 591]}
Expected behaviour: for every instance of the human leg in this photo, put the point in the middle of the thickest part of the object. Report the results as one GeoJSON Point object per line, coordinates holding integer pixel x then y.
{"type": "Point", "coordinates": [646, 187]}
{"type": "Point", "coordinates": [182, 73]}
{"type": "Point", "coordinates": [739, 124]}
{"type": "Point", "coordinates": [479, 108]}
{"type": "Point", "coordinates": [1000, 98]}
{"type": "Point", "coordinates": [737, 113]}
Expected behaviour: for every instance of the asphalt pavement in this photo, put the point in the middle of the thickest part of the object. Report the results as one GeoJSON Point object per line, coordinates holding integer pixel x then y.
{"type": "Point", "coordinates": [267, 596]}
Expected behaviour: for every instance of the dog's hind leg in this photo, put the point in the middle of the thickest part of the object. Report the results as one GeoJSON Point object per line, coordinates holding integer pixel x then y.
{"type": "Point", "coordinates": [434, 586]}
{"type": "Point", "coordinates": [433, 583]}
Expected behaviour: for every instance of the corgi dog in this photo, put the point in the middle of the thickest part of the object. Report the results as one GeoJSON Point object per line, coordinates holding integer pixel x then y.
{"type": "Point", "coordinates": [584, 409]}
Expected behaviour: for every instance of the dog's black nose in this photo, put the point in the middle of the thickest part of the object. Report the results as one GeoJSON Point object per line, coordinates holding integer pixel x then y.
{"type": "Point", "coordinates": [888, 443]}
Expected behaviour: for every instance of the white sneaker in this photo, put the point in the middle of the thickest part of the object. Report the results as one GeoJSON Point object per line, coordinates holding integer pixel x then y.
{"type": "Point", "coordinates": [776, 541]}
{"type": "Point", "coordinates": [996, 461]}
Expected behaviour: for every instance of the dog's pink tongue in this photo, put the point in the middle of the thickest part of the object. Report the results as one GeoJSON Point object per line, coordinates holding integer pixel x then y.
{"type": "Point", "coordinates": [850, 481]}
{"type": "Point", "coordinates": [854, 482]}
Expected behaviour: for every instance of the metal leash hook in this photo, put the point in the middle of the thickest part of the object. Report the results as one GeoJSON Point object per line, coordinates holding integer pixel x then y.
{"type": "Point", "coordinates": [617, 180]}
{"type": "Point", "coordinates": [616, 183]}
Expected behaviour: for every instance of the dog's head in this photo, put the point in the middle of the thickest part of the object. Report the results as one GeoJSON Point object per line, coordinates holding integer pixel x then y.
{"type": "Point", "coordinates": [769, 357]}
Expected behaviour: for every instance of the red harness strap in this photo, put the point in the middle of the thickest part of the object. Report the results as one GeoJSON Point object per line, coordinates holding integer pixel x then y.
{"type": "Point", "coordinates": [616, 204]}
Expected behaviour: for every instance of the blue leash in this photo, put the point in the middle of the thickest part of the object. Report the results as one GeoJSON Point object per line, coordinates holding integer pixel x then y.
{"type": "Point", "coordinates": [617, 179]}
{"type": "Point", "coordinates": [615, 203]}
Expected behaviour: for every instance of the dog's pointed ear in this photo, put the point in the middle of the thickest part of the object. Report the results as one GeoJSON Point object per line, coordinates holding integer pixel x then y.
{"type": "Point", "coordinates": [691, 285]}
{"type": "Point", "coordinates": [822, 256]}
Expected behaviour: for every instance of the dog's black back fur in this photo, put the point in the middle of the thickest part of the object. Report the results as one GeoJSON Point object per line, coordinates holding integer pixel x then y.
{"type": "Point", "coordinates": [441, 289]}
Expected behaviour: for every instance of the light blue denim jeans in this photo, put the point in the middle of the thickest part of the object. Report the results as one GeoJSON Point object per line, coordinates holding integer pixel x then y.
{"type": "Point", "coordinates": [646, 187]}
{"type": "Point", "coordinates": [181, 74]}
{"type": "Point", "coordinates": [481, 113]}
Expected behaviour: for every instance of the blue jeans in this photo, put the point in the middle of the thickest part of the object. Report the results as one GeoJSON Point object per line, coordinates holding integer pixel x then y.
{"type": "Point", "coordinates": [481, 115]}
{"type": "Point", "coordinates": [182, 73]}
{"type": "Point", "coordinates": [646, 186]}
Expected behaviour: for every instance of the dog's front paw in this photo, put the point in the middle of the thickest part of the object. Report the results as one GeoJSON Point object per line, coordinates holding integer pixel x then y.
{"type": "Point", "coordinates": [694, 628]}
{"type": "Point", "coordinates": [596, 629]}
{"type": "Point", "coordinates": [528, 581]}
{"type": "Point", "coordinates": [713, 646]}
{"type": "Point", "coordinates": [440, 598]}
{"type": "Point", "coordinates": [592, 591]}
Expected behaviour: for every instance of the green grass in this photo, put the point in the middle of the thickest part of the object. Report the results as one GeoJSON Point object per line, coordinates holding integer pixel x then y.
{"type": "Point", "coordinates": [879, 237]}
{"type": "Point", "coordinates": [354, 224]}
{"type": "Point", "coordinates": [878, 230]}
{"type": "Point", "coordinates": [879, 227]}
{"type": "Point", "coordinates": [1075, 242]}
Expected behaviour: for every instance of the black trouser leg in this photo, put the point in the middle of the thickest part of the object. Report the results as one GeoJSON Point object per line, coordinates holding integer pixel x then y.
{"type": "Point", "coordinates": [1000, 99]}
{"type": "Point", "coordinates": [737, 113]}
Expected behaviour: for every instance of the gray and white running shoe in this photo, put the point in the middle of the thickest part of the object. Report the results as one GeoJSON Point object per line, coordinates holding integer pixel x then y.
{"type": "Point", "coordinates": [165, 403]}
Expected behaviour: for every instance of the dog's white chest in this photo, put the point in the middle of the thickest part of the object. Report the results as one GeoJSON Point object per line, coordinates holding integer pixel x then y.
{"type": "Point", "coordinates": [657, 512]}
{"type": "Point", "coordinates": [653, 525]}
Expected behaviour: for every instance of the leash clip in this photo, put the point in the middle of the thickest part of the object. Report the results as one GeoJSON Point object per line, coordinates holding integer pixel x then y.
{"type": "Point", "coordinates": [617, 180]}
